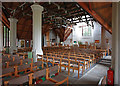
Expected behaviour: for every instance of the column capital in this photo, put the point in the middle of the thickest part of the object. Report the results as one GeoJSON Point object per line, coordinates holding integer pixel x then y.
{"type": "Point", "coordinates": [12, 19]}
{"type": "Point", "coordinates": [37, 7]}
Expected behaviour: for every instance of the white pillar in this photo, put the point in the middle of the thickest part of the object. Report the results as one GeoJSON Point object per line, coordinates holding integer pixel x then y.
{"type": "Point", "coordinates": [45, 40]}
{"type": "Point", "coordinates": [1, 37]}
{"type": "Point", "coordinates": [116, 41]}
{"type": "Point", "coordinates": [13, 33]}
{"type": "Point", "coordinates": [58, 40]}
{"type": "Point", "coordinates": [37, 29]}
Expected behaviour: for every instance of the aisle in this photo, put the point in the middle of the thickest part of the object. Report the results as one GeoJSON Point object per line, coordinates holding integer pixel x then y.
{"type": "Point", "coordinates": [93, 75]}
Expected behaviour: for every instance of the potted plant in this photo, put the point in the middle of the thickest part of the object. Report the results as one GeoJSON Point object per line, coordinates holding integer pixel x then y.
{"type": "Point", "coordinates": [79, 42]}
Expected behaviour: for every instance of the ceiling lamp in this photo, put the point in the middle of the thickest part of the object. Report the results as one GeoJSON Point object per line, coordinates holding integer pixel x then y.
{"type": "Point", "coordinates": [92, 24]}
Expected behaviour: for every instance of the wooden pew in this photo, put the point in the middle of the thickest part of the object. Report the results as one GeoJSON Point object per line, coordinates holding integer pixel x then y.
{"type": "Point", "coordinates": [7, 72]}
{"type": "Point", "coordinates": [58, 79]}
{"type": "Point", "coordinates": [17, 81]}
{"type": "Point", "coordinates": [24, 54]}
{"type": "Point", "coordinates": [37, 65]}
{"type": "Point", "coordinates": [36, 76]}
{"type": "Point", "coordinates": [14, 72]}
{"type": "Point", "coordinates": [8, 55]}
{"type": "Point", "coordinates": [27, 68]}
{"type": "Point", "coordinates": [18, 62]}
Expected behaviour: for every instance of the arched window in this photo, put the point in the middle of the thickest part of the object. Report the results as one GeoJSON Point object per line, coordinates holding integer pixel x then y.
{"type": "Point", "coordinates": [6, 36]}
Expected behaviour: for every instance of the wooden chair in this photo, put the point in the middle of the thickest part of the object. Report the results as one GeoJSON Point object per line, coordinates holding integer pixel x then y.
{"type": "Point", "coordinates": [7, 72]}
{"type": "Point", "coordinates": [76, 65]}
{"type": "Point", "coordinates": [58, 79]}
{"type": "Point", "coordinates": [87, 58]}
{"type": "Point", "coordinates": [36, 76]}
{"type": "Point", "coordinates": [14, 63]}
{"type": "Point", "coordinates": [8, 55]}
{"type": "Point", "coordinates": [65, 56]}
{"type": "Point", "coordinates": [27, 61]}
{"type": "Point", "coordinates": [64, 63]}
{"type": "Point", "coordinates": [45, 60]}
{"type": "Point", "coordinates": [82, 60]}
{"type": "Point", "coordinates": [6, 59]}
{"type": "Point", "coordinates": [37, 65]}
{"type": "Point", "coordinates": [56, 61]}
{"type": "Point", "coordinates": [72, 57]}
{"type": "Point", "coordinates": [17, 81]}
{"type": "Point", "coordinates": [4, 65]}
{"type": "Point", "coordinates": [50, 61]}
{"type": "Point", "coordinates": [22, 54]}
{"type": "Point", "coordinates": [102, 81]}
{"type": "Point", "coordinates": [27, 68]}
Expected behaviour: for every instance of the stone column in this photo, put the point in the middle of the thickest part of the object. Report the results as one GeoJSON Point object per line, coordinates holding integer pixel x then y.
{"type": "Point", "coordinates": [58, 40]}
{"type": "Point", "coordinates": [116, 41]}
{"type": "Point", "coordinates": [1, 37]}
{"type": "Point", "coordinates": [13, 33]}
{"type": "Point", "coordinates": [37, 30]}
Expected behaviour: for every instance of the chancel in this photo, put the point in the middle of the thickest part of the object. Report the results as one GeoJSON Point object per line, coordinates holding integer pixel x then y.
{"type": "Point", "coordinates": [59, 43]}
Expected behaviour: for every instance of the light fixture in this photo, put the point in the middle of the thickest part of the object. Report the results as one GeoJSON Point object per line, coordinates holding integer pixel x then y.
{"type": "Point", "coordinates": [58, 7]}
{"type": "Point", "coordinates": [49, 2]}
{"type": "Point", "coordinates": [92, 24]}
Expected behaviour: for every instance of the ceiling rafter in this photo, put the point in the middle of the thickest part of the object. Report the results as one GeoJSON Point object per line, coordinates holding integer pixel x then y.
{"type": "Point", "coordinates": [104, 6]}
{"type": "Point", "coordinates": [5, 20]}
{"type": "Point", "coordinates": [51, 13]}
{"type": "Point", "coordinates": [25, 22]}
{"type": "Point", "coordinates": [96, 16]}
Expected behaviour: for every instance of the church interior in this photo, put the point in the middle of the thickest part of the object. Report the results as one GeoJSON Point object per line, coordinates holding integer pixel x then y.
{"type": "Point", "coordinates": [59, 43]}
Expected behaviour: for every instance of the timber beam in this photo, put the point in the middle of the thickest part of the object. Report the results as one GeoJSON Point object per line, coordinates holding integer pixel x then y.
{"type": "Point", "coordinates": [96, 16]}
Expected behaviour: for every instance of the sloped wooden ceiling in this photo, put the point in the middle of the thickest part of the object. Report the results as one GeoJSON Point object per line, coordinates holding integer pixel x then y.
{"type": "Point", "coordinates": [103, 9]}
{"type": "Point", "coordinates": [54, 13]}
{"type": "Point", "coordinates": [99, 11]}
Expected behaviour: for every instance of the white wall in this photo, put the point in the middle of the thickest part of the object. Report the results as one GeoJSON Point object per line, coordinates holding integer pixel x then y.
{"type": "Point", "coordinates": [77, 34]}
{"type": "Point", "coordinates": [67, 41]}
{"type": "Point", "coordinates": [97, 33]}
{"type": "Point", "coordinates": [106, 35]}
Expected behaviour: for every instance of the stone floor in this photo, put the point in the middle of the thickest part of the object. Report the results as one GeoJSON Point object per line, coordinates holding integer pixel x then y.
{"type": "Point", "coordinates": [92, 75]}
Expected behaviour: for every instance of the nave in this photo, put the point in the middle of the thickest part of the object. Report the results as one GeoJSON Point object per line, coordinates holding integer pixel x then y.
{"type": "Point", "coordinates": [56, 43]}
